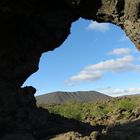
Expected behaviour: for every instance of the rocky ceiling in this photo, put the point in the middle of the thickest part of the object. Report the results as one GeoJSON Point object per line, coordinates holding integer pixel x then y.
{"type": "Point", "coordinates": [30, 27]}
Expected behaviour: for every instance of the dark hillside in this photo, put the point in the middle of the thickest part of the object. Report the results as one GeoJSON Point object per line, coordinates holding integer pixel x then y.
{"type": "Point", "coordinates": [62, 97]}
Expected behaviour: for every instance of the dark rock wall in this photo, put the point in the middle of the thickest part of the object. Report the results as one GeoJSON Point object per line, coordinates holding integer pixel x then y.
{"type": "Point", "coordinates": [123, 13]}
{"type": "Point", "coordinates": [30, 27]}
{"type": "Point", "coordinates": [27, 29]}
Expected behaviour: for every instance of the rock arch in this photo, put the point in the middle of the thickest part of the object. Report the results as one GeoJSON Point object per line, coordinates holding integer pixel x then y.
{"type": "Point", "coordinates": [30, 27]}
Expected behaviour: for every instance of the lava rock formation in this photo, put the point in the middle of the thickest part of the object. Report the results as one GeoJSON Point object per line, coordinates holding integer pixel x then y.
{"type": "Point", "coordinates": [30, 27]}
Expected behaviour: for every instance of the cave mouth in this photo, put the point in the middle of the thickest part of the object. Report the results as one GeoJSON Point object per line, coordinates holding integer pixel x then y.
{"type": "Point", "coordinates": [57, 68]}
{"type": "Point", "coordinates": [30, 28]}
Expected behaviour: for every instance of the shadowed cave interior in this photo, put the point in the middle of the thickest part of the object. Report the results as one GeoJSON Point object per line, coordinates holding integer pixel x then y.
{"type": "Point", "coordinates": [29, 28]}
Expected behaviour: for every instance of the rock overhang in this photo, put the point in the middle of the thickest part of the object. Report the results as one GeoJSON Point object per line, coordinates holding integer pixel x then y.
{"type": "Point", "coordinates": [30, 27]}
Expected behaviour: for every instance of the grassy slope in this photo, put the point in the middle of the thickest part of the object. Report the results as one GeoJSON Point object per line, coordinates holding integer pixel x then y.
{"type": "Point", "coordinates": [123, 114]}
{"type": "Point", "coordinates": [124, 106]}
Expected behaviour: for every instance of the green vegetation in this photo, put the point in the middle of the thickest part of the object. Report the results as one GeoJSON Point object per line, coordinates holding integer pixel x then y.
{"type": "Point", "coordinates": [121, 107]}
{"type": "Point", "coordinates": [70, 109]}
{"type": "Point", "coordinates": [128, 103]}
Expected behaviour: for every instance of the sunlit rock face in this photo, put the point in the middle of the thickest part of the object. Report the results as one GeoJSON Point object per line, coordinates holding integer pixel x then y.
{"type": "Point", "coordinates": [30, 27]}
{"type": "Point", "coordinates": [124, 13]}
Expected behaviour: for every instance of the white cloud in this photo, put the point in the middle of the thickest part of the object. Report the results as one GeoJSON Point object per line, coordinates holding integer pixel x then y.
{"type": "Point", "coordinates": [113, 65]}
{"type": "Point", "coordinates": [116, 92]}
{"type": "Point", "coordinates": [102, 27]}
{"type": "Point", "coordinates": [124, 39]}
{"type": "Point", "coordinates": [120, 51]}
{"type": "Point", "coordinates": [86, 76]}
{"type": "Point", "coordinates": [95, 72]}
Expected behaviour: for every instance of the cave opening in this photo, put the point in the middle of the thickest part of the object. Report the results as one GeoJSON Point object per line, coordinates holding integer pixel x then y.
{"type": "Point", "coordinates": [30, 28]}
{"type": "Point", "coordinates": [102, 48]}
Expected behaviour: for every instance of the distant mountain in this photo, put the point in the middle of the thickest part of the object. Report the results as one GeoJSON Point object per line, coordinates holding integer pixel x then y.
{"type": "Point", "coordinates": [62, 97]}
{"type": "Point", "coordinates": [131, 95]}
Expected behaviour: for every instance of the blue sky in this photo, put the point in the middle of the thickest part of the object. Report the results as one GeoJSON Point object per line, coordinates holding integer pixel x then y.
{"type": "Point", "coordinates": [94, 57]}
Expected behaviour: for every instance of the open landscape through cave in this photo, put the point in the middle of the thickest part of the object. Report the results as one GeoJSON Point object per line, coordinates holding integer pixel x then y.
{"type": "Point", "coordinates": [58, 68]}
{"type": "Point", "coordinates": [30, 28]}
